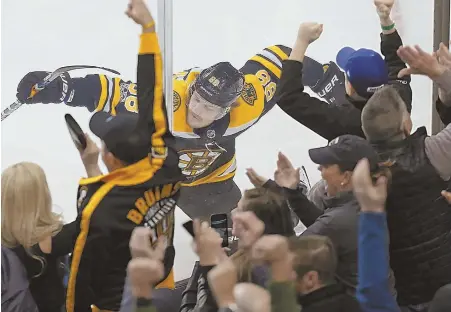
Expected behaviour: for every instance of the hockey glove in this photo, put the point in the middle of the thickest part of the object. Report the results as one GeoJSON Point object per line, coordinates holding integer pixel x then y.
{"type": "Point", "coordinates": [331, 86]}
{"type": "Point", "coordinates": [59, 90]}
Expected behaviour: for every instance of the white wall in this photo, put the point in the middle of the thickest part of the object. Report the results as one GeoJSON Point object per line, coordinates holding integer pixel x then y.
{"type": "Point", "coordinates": [47, 34]}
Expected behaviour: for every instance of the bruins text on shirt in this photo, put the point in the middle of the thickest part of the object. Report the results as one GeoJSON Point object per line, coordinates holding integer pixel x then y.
{"type": "Point", "coordinates": [111, 206]}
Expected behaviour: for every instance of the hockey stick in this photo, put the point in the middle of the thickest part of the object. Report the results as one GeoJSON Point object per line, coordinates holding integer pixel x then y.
{"type": "Point", "coordinates": [46, 81]}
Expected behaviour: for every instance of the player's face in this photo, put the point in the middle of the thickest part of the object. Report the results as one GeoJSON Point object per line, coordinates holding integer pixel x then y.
{"type": "Point", "coordinates": [201, 113]}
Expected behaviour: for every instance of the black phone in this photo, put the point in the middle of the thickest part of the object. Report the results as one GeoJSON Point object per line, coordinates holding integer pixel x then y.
{"type": "Point", "coordinates": [219, 222]}
{"type": "Point", "coordinates": [189, 227]}
{"type": "Point", "coordinates": [75, 131]}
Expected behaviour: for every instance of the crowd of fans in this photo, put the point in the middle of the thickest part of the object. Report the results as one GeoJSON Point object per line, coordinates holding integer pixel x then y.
{"type": "Point", "coordinates": [378, 224]}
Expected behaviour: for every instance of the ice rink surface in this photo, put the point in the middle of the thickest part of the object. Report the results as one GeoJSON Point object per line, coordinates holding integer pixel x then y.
{"type": "Point", "coordinates": [47, 34]}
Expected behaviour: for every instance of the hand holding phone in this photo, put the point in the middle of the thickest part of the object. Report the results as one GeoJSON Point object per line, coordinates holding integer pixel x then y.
{"type": "Point", "coordinates": [219, 222]}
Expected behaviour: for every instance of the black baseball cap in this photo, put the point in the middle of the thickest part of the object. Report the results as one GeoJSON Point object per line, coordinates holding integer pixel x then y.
{"type": "Point", "coordinates": [345, 151]}
{"type": "Point", "coordinates": [121, 136]}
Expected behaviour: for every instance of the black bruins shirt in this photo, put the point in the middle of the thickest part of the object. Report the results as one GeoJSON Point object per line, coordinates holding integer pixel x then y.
{"type": "Point", "coordinates": [112, 205]}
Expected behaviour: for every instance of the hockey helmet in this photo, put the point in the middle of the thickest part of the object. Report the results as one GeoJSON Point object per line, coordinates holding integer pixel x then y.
{"type": "Point", "coordinates": [220, 84]}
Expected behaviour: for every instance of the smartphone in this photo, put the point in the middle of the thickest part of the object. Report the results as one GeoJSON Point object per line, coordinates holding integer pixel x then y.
{"type": "Point", "coordinates": [75, 131]}
{"type": "Point", "coordinates": [189, 227]}
{"type": "Point", "coordinates": [220, 224]}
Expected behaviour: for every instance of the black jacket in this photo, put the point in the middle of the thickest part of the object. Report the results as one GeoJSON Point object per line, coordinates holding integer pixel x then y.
{"type": "Point", "coordinates": [46, 282]}
{"type": "Point", "coordinates": [419, 221]}
{"type": "Point", "coordinates": [443, 111]}
{"type": "Point", "coordinates": [331, 298]}
{"type": "Point", "coordinates": [197, 296]}
{"type": "Point", "coordinates": [339, 221]}
{"type": "Point", "coordinates": [333, 120]}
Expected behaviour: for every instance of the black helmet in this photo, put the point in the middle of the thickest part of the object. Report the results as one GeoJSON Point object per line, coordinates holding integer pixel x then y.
{"type": "Point", "coordinates": [220, 84]}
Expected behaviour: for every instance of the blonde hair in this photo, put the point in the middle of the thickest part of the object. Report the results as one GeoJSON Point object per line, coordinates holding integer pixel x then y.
{"type": "Point", "coordinates": [27, 216]}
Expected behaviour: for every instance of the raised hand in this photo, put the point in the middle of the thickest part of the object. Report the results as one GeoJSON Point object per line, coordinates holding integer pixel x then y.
{"type": "Point", "coordinates": [137, 10]}
{"type": "Point", "coordinates": [90, 155]}
{"type": "Point", "coordinates": [207, 244]}
{"type": "Point", "coordinates": [309, 32]}
{"type": "Point", "coordinates": [371, 197]}
{"type": "Point", "coordinates": [256, 179]}
{"type": "Point", "coordinates": [270, 248]}
{"type": "Point", "coordinates": [222, 280]}
{"type": "Point", "coordinates": [247, 227]}
{"type": "Point", "coordinates": [420, 62]}
{"type": "Point", "coordinates": [444, 55]}
{"type": "Point", "coordinates": [141, 247]}
{"type": "Point", "coordinates": [286, 175]}
{"type": "Point", "coordinates": [384, 7]}
{"type": "Point", "coordinates": [143, 274]}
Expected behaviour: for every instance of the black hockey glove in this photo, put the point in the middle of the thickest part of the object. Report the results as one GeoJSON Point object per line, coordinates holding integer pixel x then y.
{"type": "Point", "coordinates": [59, 90]}
{"type": "Point", "coordinates": [331, 86]}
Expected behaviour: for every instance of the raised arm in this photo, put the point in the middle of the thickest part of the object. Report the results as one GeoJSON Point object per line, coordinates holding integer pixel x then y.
{"type": "Point", "coordinates": [329, 121]}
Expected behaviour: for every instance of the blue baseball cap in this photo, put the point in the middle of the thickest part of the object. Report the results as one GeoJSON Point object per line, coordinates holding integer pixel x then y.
{"type": "Point", "coordinates": [365, 69]}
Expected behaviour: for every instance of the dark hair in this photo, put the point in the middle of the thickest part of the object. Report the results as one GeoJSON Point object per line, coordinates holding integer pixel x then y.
{"type": "Point", "coordinates": [314, 253]}
{"type": "Point", "coordinates": [273, 210]}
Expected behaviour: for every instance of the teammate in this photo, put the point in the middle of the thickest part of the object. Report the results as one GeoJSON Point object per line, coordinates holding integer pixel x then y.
{"type": "Point", "coordinates": [211, 107]}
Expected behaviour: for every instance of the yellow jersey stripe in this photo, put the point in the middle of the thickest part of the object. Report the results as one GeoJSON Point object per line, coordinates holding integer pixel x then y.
{"type": "Point", "coordinates": [149, 45]}
{"type": "Point", "coordinates": [278, 51]}
{"type": "Point", "coordinates": [116, 96]}
{"type": "Point", "coordinates": [268, 65]}
{"type": "Point", "coordinates": [103, 93]}
{"type": "Point", "coordinates": [81, 242]}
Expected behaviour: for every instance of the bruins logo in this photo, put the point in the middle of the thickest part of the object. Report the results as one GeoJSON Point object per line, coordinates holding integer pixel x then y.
{"type": "Point", "coordinates": [249, 94]}
{"type": "Point", "coordinates": [176, 101]}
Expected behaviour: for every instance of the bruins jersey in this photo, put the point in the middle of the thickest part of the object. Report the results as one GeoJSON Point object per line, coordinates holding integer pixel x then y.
{"type": "Point", "coordinates": [111, 206]}
{"type": "Point", "coordinates": [206, 155]}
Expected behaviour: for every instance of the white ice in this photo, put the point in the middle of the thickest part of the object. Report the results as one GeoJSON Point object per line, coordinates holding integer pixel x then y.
{"type": "Point", "coordinates": [47, 34]}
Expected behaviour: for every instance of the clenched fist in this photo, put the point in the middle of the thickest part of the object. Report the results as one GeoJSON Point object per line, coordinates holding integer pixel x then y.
{"type": "Point", "coordinates": [384, 7]}
{"type": "Point", "coordinates": [137, 10]}
{"type": "Point", "coordinates": [310, 32]}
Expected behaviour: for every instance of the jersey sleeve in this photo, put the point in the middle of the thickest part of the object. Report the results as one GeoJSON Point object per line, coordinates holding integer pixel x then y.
{"type": "Point", "coordinates": [104, 93]}
{"type": "Point", "coordinates": [267, 67]}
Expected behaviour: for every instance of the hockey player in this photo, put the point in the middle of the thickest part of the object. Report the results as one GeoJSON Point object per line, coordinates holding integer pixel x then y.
{"type": "Point", "coordinates": [211, 107]}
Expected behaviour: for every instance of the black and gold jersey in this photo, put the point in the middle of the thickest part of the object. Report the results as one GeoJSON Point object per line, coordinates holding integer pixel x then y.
{"type": "Point", "coordinates": [110, 206]}
{"type": "Point", "coordinates": [206, 155]}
